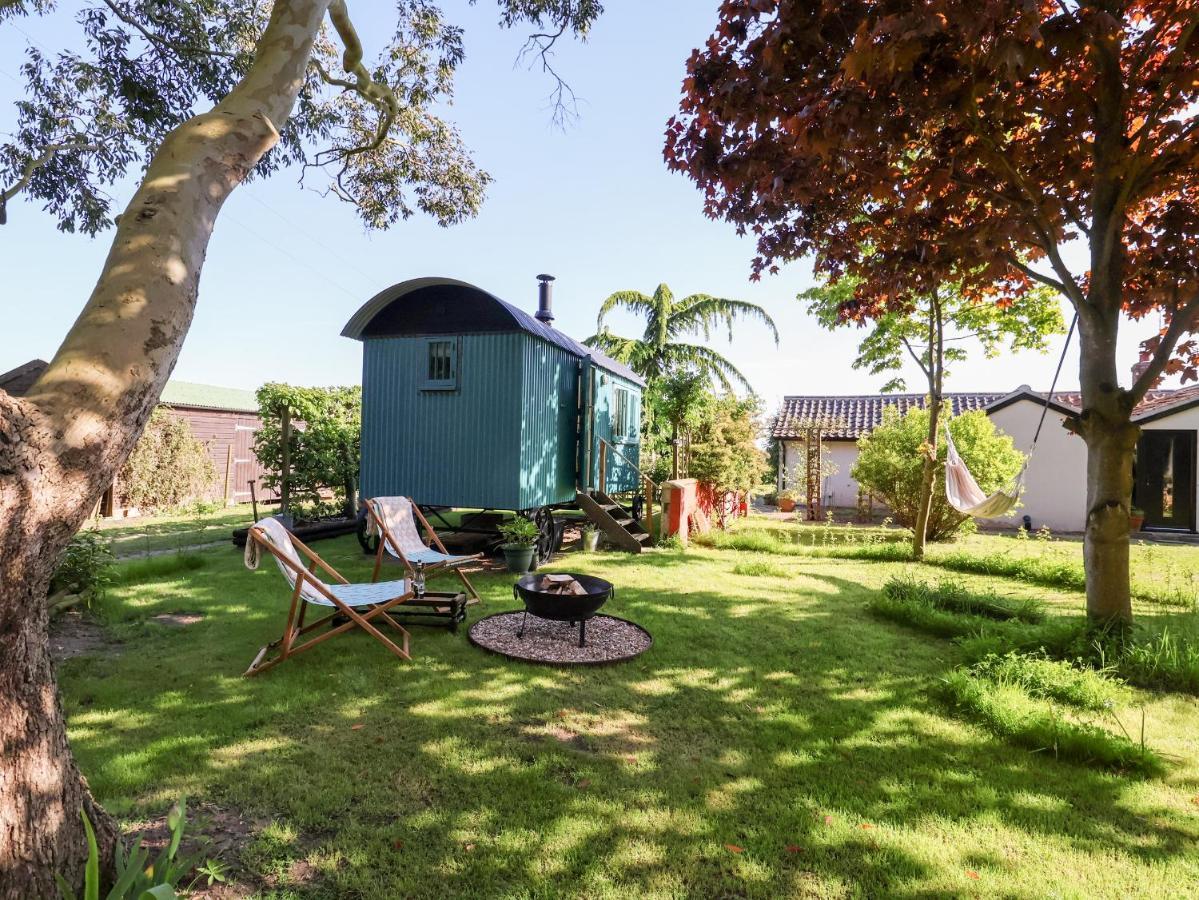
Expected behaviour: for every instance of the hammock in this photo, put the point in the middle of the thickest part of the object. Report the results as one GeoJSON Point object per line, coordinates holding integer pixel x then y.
{"type": "Point", "coordinates": [963, 492]}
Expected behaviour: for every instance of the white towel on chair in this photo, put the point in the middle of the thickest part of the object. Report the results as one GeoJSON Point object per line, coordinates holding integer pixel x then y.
{"type": "Point", "coordinates": [280, 538]}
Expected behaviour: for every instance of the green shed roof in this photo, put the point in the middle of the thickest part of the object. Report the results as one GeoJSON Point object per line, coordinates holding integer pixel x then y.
{"type": "Point", "coordinates": [207, 396]}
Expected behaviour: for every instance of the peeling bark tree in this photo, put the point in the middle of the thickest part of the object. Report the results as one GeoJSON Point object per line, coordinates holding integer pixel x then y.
{"type": "Point", "coordinates": [61, 445]}
{"type": "Point", "coordinates": [945, 134]}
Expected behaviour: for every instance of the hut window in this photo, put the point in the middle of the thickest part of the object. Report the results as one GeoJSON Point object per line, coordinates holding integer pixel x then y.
{"type": "Point", "coordinates": [441, 365]}
{"type": "Point", "coordinates": [624, 421]}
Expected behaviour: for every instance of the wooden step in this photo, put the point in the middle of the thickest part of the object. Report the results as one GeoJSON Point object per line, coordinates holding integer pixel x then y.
{"type": "Point", "coordinates": [600, 513]}
{"type": "Point", "coordinates": [612, 507]}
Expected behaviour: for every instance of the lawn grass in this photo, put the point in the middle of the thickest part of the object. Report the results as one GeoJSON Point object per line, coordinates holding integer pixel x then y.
{"type": "Point", "coordinates": [777, 740]}
{"type": "Point", "coordinates": [150, 568]}
{"type": "Point", "coordinates": [176, 531]}
{"type": "Point", "coordinates": [1011, 711]}
{"type": "Point", "coordinates": [1164, 574]}
{"type": "Point", "coordinates": [1055, 679]}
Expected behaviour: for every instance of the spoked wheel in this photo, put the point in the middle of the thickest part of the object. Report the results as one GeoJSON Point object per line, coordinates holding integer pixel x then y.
{"type": "Point", "coordinates": [546, 532]}
{"type": "Point", "coordinates": [366, 538]}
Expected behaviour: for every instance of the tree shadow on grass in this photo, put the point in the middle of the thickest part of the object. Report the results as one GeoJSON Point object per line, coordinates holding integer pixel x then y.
{"type": "Point", "coordinates": [774, 741]}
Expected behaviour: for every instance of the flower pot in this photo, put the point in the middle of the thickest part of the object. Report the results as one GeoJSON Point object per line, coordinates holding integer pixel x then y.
{"type": "Point", "coordinates": [518, 558]}
{"type": "Point", "coordinates": [786, 505]}
{"type": "Point", "coordinates": [591, 541]}
{"type": "Point", "coordinates": [1136, 522]}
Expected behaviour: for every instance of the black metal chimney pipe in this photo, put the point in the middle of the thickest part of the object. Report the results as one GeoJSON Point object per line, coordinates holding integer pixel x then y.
{"type": "Point", "coordinates": [545, 299]}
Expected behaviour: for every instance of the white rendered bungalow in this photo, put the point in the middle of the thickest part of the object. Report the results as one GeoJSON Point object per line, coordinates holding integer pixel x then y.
{"type": "Point", "coordinates": [1166, 485]}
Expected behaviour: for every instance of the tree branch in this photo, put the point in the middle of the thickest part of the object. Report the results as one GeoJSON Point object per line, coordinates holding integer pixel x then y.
{"type": "Point", "coordinates": [919, 362]}
{"type": "Point", "coordinates": [152, 38]}
{"type": "Point", "coordinates": [562, 97]}
{"type": "Point", "coordinates": [1037, 276]}
{"type": "Point", "coordinates": [378, 94]}
{"type": "Point", "coordinates": [1186, 319]}
{"type": "Point", "coordinates": [32, 166]}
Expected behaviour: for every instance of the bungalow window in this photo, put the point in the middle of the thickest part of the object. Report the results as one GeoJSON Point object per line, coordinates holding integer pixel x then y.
{"type": "Point", "coordinates": [441, 365]}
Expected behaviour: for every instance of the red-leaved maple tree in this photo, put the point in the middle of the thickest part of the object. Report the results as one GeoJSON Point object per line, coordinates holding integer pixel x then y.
{"type": "Point", "coordinates": [977, 136]}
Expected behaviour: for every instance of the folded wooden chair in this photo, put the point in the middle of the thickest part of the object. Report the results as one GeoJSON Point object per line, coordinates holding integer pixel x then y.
{"type": "Point", "coordinates": [359, 603]}
{"type": "Point", "coordinates": [394, 520]}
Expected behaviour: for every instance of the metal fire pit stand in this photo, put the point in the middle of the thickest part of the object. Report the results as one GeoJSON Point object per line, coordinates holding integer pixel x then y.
{"type": "Point", "coordinates": [582, 627]}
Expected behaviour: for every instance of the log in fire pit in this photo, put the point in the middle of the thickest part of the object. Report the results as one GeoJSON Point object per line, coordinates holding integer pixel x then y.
{"type": "Point", "coordinates": [562, 598]}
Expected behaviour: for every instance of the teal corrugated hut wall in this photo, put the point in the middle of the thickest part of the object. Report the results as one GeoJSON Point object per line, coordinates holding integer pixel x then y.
{"type": "Point", "coordinates": [548, 423]}
{"type": "Point", "coordinates": [444, 448]}
{"type": "Point", "coordinates": [504, 439]}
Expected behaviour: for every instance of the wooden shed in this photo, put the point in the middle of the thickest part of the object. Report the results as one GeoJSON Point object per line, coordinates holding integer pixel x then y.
{"type": "Point", "coordinates": [224, 419]}
{"type": "Point", "coordinates": [470, 402]}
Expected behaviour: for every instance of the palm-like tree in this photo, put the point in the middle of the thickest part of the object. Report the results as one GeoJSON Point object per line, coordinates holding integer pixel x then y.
{"type": "Point", "coordinates": [659, 352]}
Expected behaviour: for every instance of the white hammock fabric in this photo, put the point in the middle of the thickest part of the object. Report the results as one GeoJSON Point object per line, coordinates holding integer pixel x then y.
{"type": "Point", "coordinates": [964, 494]}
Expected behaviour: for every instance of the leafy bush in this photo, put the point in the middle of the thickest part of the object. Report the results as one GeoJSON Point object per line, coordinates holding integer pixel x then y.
{"type": "Point", "coordinates": [168, 466]}
{"type": "Point", "coordinates": [724, 447]}
{"type": "Point", "coordinates": [325, 446]}
{"type": "Point", "coordinates": [1053, 679]}
{"type": "Point", "coordinates": [889, 464]}
{"type": "Point", "coordinates": [671, 542]}
{"type": "Point", "coordinates": [1008, 711]}
{"type": "Point", "coordinates": [520, 532]}
{"type": "Point", "coordinates": [85, 567]}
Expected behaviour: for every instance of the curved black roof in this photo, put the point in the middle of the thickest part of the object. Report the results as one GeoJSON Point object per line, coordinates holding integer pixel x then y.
{"type": "Point", "coordinates": [450, 306]}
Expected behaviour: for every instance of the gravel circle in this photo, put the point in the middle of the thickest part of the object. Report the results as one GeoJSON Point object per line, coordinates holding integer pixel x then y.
{"type": "Point", "coordinates": [609, 639]}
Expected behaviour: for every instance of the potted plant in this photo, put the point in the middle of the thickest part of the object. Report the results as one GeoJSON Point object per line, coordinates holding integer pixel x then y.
{"type": "Point", "coordinates": [590, 538]}
{"type": "Point", "coordinates": [520, 542]}
{"type": "Point", "coordinates": [1136, 518]}
{"type": "Point", "coordinates": [787, 501]}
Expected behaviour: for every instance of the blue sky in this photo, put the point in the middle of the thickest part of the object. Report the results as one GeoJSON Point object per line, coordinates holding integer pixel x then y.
{"type": "Point", "coordinates": [593, 205]}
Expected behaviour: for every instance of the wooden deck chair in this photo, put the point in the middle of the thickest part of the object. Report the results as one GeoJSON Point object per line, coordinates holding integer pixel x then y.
{"type": "Point", "coordinates": [359, 603]}
{"type": "Point", "coordinates": [394, 520]}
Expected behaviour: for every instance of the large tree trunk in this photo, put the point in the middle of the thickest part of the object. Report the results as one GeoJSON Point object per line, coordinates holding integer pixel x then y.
{"type": "Point", "coordinates": [62, 444]}
{"type": "Point", "coordinates": [1111, 438]}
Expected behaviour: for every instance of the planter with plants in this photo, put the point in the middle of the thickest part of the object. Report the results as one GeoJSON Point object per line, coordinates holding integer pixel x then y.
{"type": "Point", "coordinates": [787, 501]}
{"type": "Point", "coordinates": [1136, 519]}
{"type": "Point", "coordinates": [520, 543]}
{"type": "Point", "coordinates": [591, 538]}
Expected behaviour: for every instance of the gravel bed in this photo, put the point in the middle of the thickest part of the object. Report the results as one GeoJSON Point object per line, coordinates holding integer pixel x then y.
{"type": "Point", "coordinates": [609, 639]}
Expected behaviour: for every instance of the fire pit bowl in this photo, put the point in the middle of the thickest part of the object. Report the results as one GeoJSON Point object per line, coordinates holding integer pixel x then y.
{"type": "Point", "coordinates": [532, 589]}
